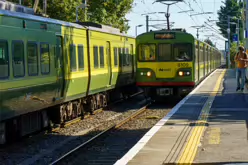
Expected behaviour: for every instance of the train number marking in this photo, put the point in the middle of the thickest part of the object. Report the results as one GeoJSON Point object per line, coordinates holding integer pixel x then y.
{"type": "Point", "coordinates": [183, 65]}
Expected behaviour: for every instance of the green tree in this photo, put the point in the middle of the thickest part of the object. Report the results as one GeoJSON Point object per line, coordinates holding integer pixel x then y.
{"type": "Point", "coordinates": [208, 41]}
{"type": "Point", "coordinates": [111, 12]}
{"type": "Point", "coordinates": [108, 12]}
{"type": "Point", "coordinates": [231, 8]}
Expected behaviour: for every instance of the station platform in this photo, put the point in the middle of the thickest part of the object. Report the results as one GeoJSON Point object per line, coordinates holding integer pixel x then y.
{"type": "Point", "coordinates": [209, 126]}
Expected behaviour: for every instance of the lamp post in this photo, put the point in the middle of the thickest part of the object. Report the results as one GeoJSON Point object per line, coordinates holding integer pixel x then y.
{"type": "Point", "coordinates": [228, 31]}
{"type": "Point", "coordinates": [136, 28]}
{"type": "Point", "coordinates": [197, 28]}
{"type": "Point", "coordinates": [229, 41]}
{"type": "Point", "coordinates": [85, 12]}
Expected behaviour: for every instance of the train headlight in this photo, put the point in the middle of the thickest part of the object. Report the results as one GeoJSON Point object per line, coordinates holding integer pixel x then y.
{"type": "Point", "coordinates": [141, 73]}
{"type": "Point", "coordinates": [187, 73]}
{"type": "Point", "coordinates": [180, 73]}
{"type": "Point", "coordinates": [149, 74]}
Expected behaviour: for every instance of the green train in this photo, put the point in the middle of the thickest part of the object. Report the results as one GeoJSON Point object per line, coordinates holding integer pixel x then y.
{"type": "Point", "coordinates": [71, 67]}
{"type": "Point", "coordinates": [172, 62]}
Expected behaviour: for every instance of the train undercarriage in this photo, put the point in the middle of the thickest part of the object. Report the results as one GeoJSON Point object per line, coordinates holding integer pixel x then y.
{"type": "Point", "coordinates": [166, 91]}
{"type": "Point", "coordinates": [24, 125]}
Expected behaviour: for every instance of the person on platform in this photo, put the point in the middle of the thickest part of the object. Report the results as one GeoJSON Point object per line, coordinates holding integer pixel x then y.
{"type": "Point", "coordinates": [246, 79]}
{"type": "Point", "coordinates": [241, 60]}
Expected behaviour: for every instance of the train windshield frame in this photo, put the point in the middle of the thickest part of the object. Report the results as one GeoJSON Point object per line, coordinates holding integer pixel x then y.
{"type": "Point", "coordinates": [165, 52]}
{"type": "Point", "coordinates": [182, 52]}
{"type": "Point", "coordinates": [147, 52]}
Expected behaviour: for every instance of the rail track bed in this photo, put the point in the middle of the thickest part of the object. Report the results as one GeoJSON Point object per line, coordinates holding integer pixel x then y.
{"type": "Point", "coordinates": [45, 148]}
{"type": "Point", "coordinates": [112, 143]}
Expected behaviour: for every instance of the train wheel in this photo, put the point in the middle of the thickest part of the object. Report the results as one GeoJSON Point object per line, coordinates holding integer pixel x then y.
{"type": "Point", "coordinates": [79, 109]}
{"type": "Point", "coordinates": [105, 102]}
{"type": "Point", "coordinates": [74, 109]}
{"type": "Point", "coordinates": [2, 133]}
{"type": "Point", "coordinates": [62, 114]}
{"type": "Point", "coordinates": [69, 111]}
{"type": "Point", "coordinates": [92, 105]}
{"type": "Point", "coordinates": [98, 101]}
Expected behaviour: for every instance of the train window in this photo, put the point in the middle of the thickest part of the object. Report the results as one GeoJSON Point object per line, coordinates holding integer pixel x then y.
{"type": "Point", "coordinates": [32, 55]}
{"type": "Point", "coordinates": [127, 56]}
{"type": "Point", "coordinates": [96, 63]}
{"type": "Point", "coordinates": [147, 52]}
{"type": "Point", "coordinates": [101, 56]}
{"type": "Point", "coordinates": [201, 55]}
{"type": "Point", "coordinates": [196, 55]}
{"type": "Point", "coordinates": [127, 50]}
{"type": "Point", "coordinates": [123, 56]}
{"type": "Point", "coordinates": [206, 54]}
{"type": "Point", "coordinates": [4, 60]}
{"type": "Point", "coordinates": [132, 55]}
{"type": "Point", "coordinates": [131, 50]}
{"type": "Point", "coordinates": [182, 52]}
{"type": "Point", "coordinates": [120, 56]}
{"type": "Point", "coordinates": [45, 58]}
{"type": "Point", "coordinates": [164, 52]}
{"type": "Point", "coordinates": [81, 57]}
{"type": "Point", "coordinates": [120, 51]}
{"type": "Point", "coordinates": [18, 59]}
{"type": "Point", "coordinates": [73, 63]}
{"type": "Point", "coordinates": [115, 57]}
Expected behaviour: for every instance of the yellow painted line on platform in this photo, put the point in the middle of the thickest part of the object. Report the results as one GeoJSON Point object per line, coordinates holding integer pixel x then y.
{"type": "Point", "coordinates": [214, 136]}
{"type": "Point", "coordinates": [190, 150]}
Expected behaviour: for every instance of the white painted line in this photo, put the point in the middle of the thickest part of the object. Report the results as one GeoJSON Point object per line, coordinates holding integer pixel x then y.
{"type": "Point", "coordinates": [141, 143]}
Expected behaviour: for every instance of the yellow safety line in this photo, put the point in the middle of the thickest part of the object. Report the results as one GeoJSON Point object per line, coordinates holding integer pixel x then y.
{"type": "Point", "coordinates": [190, 150]}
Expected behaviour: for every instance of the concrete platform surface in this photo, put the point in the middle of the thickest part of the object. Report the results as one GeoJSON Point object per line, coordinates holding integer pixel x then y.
{"type": "Point", "coordinates": [226, 138]}
{"type": "Point", "coordinates": [209, 126]}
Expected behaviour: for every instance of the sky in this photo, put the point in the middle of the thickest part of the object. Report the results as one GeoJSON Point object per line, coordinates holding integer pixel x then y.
{"type": "Point", "coordinates": [181, 20]}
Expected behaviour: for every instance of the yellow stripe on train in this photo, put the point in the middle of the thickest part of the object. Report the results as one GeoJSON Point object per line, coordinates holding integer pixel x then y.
{"type": "Point", "coordinates": [165, 69]}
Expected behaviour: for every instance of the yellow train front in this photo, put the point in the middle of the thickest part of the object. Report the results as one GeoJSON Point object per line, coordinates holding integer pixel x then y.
{"type": "Point", "coordinates": [172, 62]}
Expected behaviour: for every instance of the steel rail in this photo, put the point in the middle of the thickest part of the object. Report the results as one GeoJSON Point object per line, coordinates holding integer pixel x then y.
{"type": "Point", "coordinates": [80, 118]}
{"type": "Point", "coordinates": [94, 139]}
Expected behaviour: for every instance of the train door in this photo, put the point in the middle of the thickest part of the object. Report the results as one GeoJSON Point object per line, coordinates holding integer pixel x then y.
{"type": "Point", "coordinates": [210, 60]}
{"type": "Point", "coordinates": [204, 60]}
{"type": "Point", "coordinates": [196, 63]}
{"type": "Point", "coordinates": [108, 53]}
{"type": "Point", "coordinates": [132, 60]}
{"type": "Point", "coordinates": [60, 65]}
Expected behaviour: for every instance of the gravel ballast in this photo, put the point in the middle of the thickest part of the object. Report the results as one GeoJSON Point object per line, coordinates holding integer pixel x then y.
{"type": "Point", "coordinates": [45, 148]}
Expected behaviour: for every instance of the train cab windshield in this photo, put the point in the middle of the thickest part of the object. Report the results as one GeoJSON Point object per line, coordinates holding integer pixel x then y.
{"type": "Point", "coordinates": [147, 52]}
{"type": "Point", "coordinates": [165, 52]}
{"type": "Point", "coordinates": [182, 52]}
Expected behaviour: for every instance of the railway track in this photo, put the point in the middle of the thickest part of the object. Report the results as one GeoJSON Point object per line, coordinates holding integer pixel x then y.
{"type": "Point", "coordinates": [68, 123]}
{"type": "Point", "coordinates": [65, 159]}
{"type": "Point", "coordinates": [111, 144]}
{"type": "Point", "coordinates": [45, 148]}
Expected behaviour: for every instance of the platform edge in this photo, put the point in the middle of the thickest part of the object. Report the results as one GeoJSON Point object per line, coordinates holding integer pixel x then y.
{"type": "Point", "coordinates": [141, 143]}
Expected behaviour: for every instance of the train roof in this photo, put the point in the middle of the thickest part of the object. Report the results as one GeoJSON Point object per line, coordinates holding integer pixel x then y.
{"type": "Point", "coordinates": [178, 30]}
{"type": "Point", "coordinates": [37, 18]}
{"type": "Point", "coordinates": [102, 28]}
{"type": "Point", "coordinates": [80, 25]}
